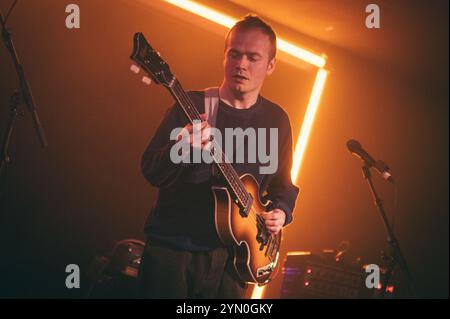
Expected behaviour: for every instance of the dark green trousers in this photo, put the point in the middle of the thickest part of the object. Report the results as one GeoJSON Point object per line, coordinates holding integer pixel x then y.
{"type": "Point", "coordinates": [166, 273]}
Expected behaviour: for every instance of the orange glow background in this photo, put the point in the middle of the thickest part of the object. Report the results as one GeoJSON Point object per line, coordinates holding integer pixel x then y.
{"type": "Point", "coordinates": [386, 88]}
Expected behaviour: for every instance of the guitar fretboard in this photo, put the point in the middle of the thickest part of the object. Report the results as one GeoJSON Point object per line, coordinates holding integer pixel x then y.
{"type": "Point", "coordinates": [235, 184]}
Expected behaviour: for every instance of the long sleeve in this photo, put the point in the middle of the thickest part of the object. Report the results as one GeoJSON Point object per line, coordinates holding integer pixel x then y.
{"type": "Point", "coordinates": [280, 190]}
{"type": "Point", "coordinates": [156, 164]}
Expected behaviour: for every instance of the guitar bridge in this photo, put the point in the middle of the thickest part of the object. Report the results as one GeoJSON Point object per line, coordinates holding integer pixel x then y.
{"type": "Point", "coordinates": [266, 270]}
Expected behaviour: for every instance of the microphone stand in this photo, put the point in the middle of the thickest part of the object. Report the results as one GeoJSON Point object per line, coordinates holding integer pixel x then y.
{"type": "Point", "coordinates": [20, 96]}
{"type": "Point", "coordinates": [396, 253]}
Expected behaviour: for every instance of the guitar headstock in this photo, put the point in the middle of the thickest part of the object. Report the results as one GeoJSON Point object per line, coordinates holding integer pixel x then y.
{"type": "Point", "coordinates": [150, 61]}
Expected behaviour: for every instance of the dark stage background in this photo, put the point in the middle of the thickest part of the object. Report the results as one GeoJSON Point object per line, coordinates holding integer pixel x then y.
{"type": "Point", "coordinates": [70, 202]}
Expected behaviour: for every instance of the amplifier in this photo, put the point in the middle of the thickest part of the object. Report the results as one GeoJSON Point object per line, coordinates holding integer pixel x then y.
{"type": "Point", "coordinates": [306, 275]}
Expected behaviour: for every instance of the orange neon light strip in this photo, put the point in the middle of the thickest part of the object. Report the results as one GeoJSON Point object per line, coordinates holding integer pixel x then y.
{"type": "Point", "coordinates": [227, 21]}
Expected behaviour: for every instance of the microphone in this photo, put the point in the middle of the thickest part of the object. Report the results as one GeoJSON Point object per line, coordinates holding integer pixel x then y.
{"type": "Point", "coordinates": [356, 149]}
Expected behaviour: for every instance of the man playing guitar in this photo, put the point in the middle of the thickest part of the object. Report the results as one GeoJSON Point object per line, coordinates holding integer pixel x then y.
{"type": "Point", "coordinates": [185, 257]}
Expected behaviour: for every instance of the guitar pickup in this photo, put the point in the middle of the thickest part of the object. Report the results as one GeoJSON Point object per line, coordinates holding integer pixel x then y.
{"type": "Point", "coordinates": [247, 206]}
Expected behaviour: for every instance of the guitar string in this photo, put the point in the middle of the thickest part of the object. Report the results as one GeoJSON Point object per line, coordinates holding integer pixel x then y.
{"type": "Point", "coordinates": [192, 113]}
{"type": "Point", "coordinates": [234, 182]}
{"type": "Point", "coordinates": [254, 218]}
{"type": "Point", "coordinates": [272, 236]}
{"type": "Point", "coordinates": [195, 115]}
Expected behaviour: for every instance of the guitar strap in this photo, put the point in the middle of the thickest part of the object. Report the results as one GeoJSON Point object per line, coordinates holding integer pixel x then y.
{"type": "Point", "coordinates": [211, 107]}
{"type": "Point", "coordinates": [211, 104]}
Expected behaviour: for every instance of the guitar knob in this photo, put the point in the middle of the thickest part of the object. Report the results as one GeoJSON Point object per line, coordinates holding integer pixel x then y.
{"type": "Point", "coordinates": [146, 80]}
{"type": "Point", "coordinates": [134, 68]}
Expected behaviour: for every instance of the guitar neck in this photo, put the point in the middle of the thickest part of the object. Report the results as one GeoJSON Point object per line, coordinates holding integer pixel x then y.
{"type": "Point", "coordinates": [232, 178]}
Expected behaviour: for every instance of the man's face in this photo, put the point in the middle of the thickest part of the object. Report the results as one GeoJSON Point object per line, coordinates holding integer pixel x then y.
{"type": "Point", "coordinates": [247, 61]}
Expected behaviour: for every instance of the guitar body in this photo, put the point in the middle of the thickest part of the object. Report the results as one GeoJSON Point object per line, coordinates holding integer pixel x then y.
{"type": "Point", "coordinates": [253, 260]}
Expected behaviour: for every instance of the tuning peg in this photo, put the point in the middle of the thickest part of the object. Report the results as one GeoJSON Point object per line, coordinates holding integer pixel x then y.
{"type": "Point", "coordinates": [134, 68]}
{"type": "Point", "coordinates": [146, 80]}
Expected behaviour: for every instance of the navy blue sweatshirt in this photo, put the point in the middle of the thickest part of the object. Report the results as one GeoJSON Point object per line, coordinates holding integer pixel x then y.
{"type": "Point", "coordinates": [183, 215]}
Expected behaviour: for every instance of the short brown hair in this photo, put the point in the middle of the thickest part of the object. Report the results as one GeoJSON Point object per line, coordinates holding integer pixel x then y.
{"type": "Point", "coordinates": [252, 21]}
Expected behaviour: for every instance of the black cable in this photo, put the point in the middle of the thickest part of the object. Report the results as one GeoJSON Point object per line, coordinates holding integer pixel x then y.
{"type": "Point", "coordinates": [9, 12]}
